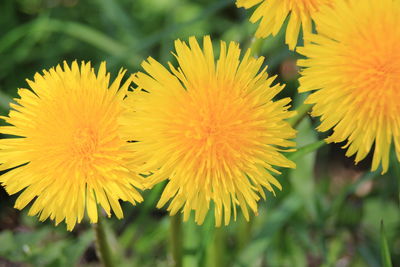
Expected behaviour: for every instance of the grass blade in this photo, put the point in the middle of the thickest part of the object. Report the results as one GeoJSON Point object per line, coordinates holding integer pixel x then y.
{"type": "Point", "coordinates": [385, 252]}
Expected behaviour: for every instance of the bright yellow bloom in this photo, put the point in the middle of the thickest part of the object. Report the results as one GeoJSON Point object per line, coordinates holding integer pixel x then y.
{"type": "Point", "coordinates": [354, 66]}
{"type": "Point", "coordinates": [210, 128]}
{"type": "Point", "coordinates": [273, 13]}
{"type": "Point", "coordinates": [67, 146]}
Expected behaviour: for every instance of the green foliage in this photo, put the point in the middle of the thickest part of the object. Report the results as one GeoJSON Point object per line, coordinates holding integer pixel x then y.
{"type": "Point", "coordinates": [328, 213]}
{"type": "Point", "coordinates": [43, 247]}
{"type": "Point", "coordinates": [385, 252]}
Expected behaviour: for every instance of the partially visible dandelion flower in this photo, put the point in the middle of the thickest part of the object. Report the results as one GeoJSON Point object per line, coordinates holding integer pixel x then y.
{"type": "Point", "coordinates": [67, 153]}
{"type": "Point", "coordinates": [354, 67]}
{"type": "Point", "coordinates": [273, 13]}
{"type": "Point", "coordinates": [211, 129]}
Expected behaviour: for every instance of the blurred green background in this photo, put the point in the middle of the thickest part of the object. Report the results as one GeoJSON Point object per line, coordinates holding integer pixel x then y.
{"type": "Point", "coordinates": [328, 214]}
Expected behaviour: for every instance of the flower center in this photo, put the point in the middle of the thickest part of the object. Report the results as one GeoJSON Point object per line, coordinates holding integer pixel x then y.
{"type": "Point", "coordinates": [373, 70]}
{"type": "Point", "coordinates": [386, 71]}
{"type": "Point", "coordinates": [213, 126]}
{"type": "Point", "coordinates": [209, 126]}
{"type": "Point", "coordinates": [85, 142]}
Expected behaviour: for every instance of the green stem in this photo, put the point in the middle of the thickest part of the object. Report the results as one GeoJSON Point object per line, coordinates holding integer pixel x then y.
{"type": "Point", "coordinates": [396, 169]}
{"type": "Point", "coordinates": [306, 149]}
{"type": "Point", "coordinates": [176, 239]}
{"type": "Point", "coordinates": [217, 251]}
{"type": "Point", "coordinates": [102, 246]}
{"type": "Point", "coordinates": [302, 112]}
{"type": "Point", "coordinates": [244, 233]}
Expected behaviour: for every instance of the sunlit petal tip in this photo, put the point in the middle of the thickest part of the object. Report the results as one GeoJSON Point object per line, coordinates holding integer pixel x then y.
{"type": "Point", "coordinates": [271, 15]}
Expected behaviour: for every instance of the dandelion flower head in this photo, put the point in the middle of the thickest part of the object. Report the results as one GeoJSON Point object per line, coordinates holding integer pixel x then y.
{"type": "Point", "coordinates": [273, 13]}
{"type": "Point", "coordinates": [211, 129]}
{"type": "Point", "coordinates": [353, 72]}
{"type": "Point", "coordinates": [66, 153]}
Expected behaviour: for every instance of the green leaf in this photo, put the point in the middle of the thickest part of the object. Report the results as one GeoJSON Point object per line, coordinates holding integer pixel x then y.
{"type": "Point", "coordinates": [385, 252]}
{"type": "Point", "coordinates": [76, 30]}
{"type": "Point", "coordinates": [9, 39]}
{"type": "Point", "coordinates": [74, 251]}
{"type": "Point", "coordinates": [22, 246]}
{"type": "Point", "coordinates": [302, 178]}
{"type": "Point", "coordinates": [4, 101]}
{"type": "Point", "coordinates": [117, 15]}
{"type": "Point", "coordinates": [8, 243]}
{"type": "Point", "coordinates": [335, 248]}
{"type": "Point", "coordinates": [275, 221]}
{"type": "Point", "coordinates": [127, 238]}
{"type": "Point", "coordinates": [157, 37]}
{"type": "Point", "coordinates": [296, 254]}
{"type": "Point", "coordinates": [93, 37]}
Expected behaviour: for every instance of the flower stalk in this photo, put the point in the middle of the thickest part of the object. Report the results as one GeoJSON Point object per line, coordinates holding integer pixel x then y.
{"type": "Point", "coordinates": [103, 249]}
{"type": "Point", "coordinates": [302, 112]}
{"type": "Point", "coordinates": [176, 239]}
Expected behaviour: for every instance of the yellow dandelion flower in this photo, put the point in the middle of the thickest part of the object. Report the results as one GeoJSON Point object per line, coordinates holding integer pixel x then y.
{"type": "Point", "coordinates": [67, 153]}
{"type": "Point", "coordinates": [211, 129]}
{"type": "Point", "coordinates": [273, 13]}
{"type": "Point", "coordinates": [354, 67]}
